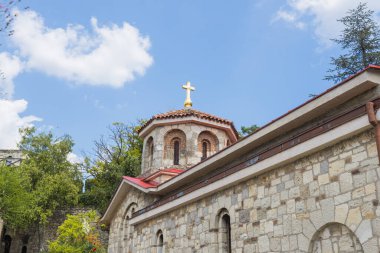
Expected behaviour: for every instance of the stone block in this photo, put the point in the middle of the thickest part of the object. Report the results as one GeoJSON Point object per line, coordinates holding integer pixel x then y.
{"type": "Point", "coordinates": [354, 218]}
{"type": "Point", "coordinates": [336, 167]}
{"type": "Point", "coordinates": [303, 242]}
{"type": "Point", "coordinates": [307, 176]}
{"type": "Point", "coordinates": [323, 179]}
{"type": "Point", "coordinates": [244, 216]}
{"type": "Point", "coordinates": [364, 231]}
{"type": "Point", "coordinates": [345, 181]}
{"type": "Point", "coordinates": [324, 167]}
{"type": "Point", "coordinates": [263, 242]}
{"type": "Point", "coordinates": [359, 156]}
{"type": "Point", "coordinates": [294, 192]}
{"type": "Point", "coordinates": [342, 198]}
{"type": "Point", "coordinates": [341, 212]}
{"type": "Point", "coordinates": [284, 244]}
{"type": "Point", "coordinates": [328, 209]}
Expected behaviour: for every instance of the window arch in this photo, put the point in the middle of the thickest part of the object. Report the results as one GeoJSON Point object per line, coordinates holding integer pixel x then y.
{"type": "Point", "coordinates": [224, 231]}
{"type": "Point", "coordinates": [333, 232]}
{"type": "Point", "coordinates": [176, 152]}
{"type": "Point", "coordinates": [205, 148]}
{"type": "Point", "coordinates": [175, 147]}
{"type": "Point", "coordinates": [149, 152]}
{"type": "Point", "coordinates": [160, 241]}
{"type": "Point", "coordinates": [208, 144]}
{"type": "Point", "coordinates": [126, 228]}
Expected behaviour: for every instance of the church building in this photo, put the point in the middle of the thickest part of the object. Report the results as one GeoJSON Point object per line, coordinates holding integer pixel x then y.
{"type": "Point", "coordinates": [308, 181]}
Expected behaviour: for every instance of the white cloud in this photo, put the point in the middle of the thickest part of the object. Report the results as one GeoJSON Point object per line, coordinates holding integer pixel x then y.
{"type": "Point", "coordinates": [74, 158]}
{"type": "Point", "coordinates": [11, 121]}
{"type": "Point", "coordinates": [10, 67]}
{"type": "Point", "coordinates": [107, 55]}
{"type": "Point", "coordinates": [321, 15]}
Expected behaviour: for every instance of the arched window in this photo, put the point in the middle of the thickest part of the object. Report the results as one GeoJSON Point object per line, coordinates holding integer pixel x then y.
{"type": "Point", "coordinates": [24, 249]}
{"type": "Point", "coordinates": [224, 231]}
{"type": "Point", "coordinates": [160, 242]}
{"type": "Point", "coordinates": [208, 144]}
{"type": "Point", "coordinates": [175, 148]}
{"type": "Point", "coordinates": [149, 152]}
{"type": "Point", "coordinates": [205, 148]}
{"type": "Point", "coordinates": [126, 229]}
{"type": "Point", "coordinates": [176, 152]}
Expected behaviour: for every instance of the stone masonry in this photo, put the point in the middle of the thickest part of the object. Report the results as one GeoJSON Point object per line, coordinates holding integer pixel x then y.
{"type": "Point", "coordinates": [326, 202]}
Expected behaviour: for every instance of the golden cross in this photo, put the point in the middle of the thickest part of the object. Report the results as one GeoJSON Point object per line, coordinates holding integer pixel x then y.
{"type": "Point", "coordinates": [188, 89]}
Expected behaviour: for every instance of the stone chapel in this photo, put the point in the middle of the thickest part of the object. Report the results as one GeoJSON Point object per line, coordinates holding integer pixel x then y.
{"type": "Point", "coordinates": [308, 181]}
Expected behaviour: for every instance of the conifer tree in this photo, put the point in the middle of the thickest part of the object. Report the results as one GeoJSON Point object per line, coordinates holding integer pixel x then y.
{"type": "Point", "coordinates": [360, 40]}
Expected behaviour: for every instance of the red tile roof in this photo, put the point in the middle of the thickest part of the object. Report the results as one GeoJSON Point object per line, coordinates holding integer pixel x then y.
{"type": "Point", "coordinates": [140, 182]}
{"type": "Point", "coordinates": [188, 113]}
{"type": "Point", "coordinates": [147, 182]}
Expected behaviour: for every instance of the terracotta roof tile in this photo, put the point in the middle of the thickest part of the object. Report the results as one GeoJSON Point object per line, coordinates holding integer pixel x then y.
{"type": "Point", "coordinates": [188, 113]}
{"type": "Point", "coordinates": [147, 182]}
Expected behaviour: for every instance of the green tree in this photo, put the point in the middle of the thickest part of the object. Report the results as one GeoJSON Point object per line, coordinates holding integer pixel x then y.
{"type": "Point", "coordinates": [116, 156]}
{"type": "Point", "coordinates": [78, 234]}
{"type": "Point", "coordinates": [247, 130]}
{"type": "Point", "coordinates": [15, 198]}
{"type": "Point", "coordinates": [360, 39]}
{"type": "Point", "coordinates": [54, 181]}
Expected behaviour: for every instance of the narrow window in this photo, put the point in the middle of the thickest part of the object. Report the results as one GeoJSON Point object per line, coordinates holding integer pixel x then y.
{"type": "Point", "coordinates": [151, 155]}
{"type": "Point", "coordinates": [226, 234]}
{"type": "Point", "coordinates": [204, 150]}
{"type": "Point", "coordinates": [160, 242]}
{"type": "Point", "coordinates": [24, 249]}
{"type": "Point", "coordinates": [176, 152]}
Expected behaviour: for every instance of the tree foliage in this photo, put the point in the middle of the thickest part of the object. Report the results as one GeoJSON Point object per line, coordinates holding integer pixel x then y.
{"type": "Point", "coordinates": [78, 234]}
{"type": "Point", "coordinates": [115, 156]}
{"type": "Point", "coordinates": [247, 130]}
{"type": "Point", "coordinates": [16, 200]}
{"type": "Point", "coordinates": [360, 39]}
{"type": "Point", "coordinates": [6, 15]}
{"type": "Point", "coordinates": [54, 181]}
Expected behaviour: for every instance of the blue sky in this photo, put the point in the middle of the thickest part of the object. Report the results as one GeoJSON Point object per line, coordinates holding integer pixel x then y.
{"type": "Point", "coordinates": [250, 61]}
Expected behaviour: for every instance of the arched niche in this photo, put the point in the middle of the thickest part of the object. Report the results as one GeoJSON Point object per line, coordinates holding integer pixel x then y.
{"type": "Point", "coordinates": [223, 225]}
{"type": "Point", "coordinates": [208, 144]}
{"type": "Point", "coordinates": [159, 242]}
{"type": "Point", "coordinates": [335, 237]}
{"type": "Point", "coordinates": [175, 147]}
{"type": "Point", "coordinates": [126, 230]}
{"type": "Point", "coordinates": [149, 153]}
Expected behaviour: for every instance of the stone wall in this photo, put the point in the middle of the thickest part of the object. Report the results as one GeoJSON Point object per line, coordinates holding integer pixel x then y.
{"type": "Point", "coordinates": [191, 154]}
{"type": "Point", "coordinates": [322, 201]}
{"type": "Point", "coordinates": [121, 231]}
{"type": "Point", "coordinates": [11, 156]}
